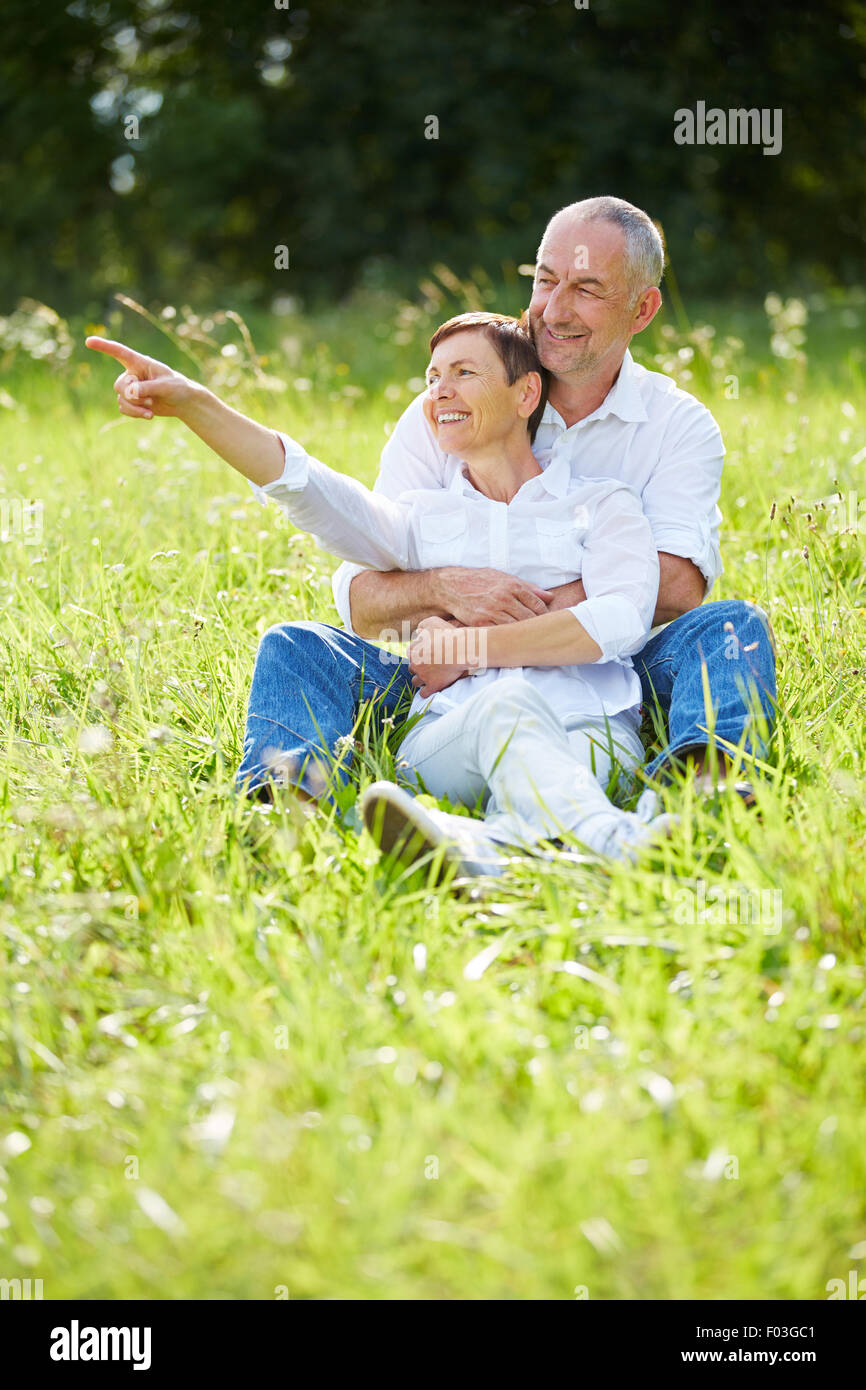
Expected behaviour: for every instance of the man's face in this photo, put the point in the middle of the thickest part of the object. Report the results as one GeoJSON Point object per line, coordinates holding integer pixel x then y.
{"type": "Point", "coordinates": [582, 311]}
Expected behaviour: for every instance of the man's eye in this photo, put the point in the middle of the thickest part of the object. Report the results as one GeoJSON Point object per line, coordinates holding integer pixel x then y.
{"type": "Point", "coordinates": [465, 371]}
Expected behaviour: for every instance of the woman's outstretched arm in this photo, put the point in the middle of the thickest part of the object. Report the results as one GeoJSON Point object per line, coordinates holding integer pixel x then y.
{"type": "Point", "coordinates": [344, 516]}
{"type": "Point", "coordinates": [147, 387]}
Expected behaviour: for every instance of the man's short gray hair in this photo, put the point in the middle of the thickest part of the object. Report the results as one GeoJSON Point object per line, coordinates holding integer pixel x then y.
{"type": "Point", "coordinates": [644, 248]}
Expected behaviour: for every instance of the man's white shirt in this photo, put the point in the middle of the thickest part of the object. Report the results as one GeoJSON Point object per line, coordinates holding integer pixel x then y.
{"type": "Point", "coordinates": [647, 433]}
{"type": "Point", "coordinates": [559, 526]}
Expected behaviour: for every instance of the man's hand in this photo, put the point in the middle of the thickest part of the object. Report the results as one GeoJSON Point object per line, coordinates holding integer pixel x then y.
{"type": "Point", "coordinates": [473, 597]}
{"type": "Point", "coordinates": [436, 655]}
{"type": "Point", "coordinates": [145, 387]}
{"type": "Point", "coordinates": [485, 597]}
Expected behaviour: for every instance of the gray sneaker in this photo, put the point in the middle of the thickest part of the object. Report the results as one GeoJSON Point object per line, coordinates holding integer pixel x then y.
{"type": "Point", "coordinates": [622, 834]}
{"type": "Point", "coordinates": [401, 826]}
{"type": "Point", "coordinates": [643, 826]}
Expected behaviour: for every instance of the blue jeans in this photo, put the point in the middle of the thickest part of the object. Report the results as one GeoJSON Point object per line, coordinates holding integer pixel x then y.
{"type": "Point", "coordinates": [732, 642]}
{"type": "Point", "coordinates": [310, 679]}
{"type": "Point", "coordinates": [308, 684]}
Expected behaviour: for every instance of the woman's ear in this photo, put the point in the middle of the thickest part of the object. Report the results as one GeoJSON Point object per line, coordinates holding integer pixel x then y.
{"type": "Point", "coordinates": [530, 394]}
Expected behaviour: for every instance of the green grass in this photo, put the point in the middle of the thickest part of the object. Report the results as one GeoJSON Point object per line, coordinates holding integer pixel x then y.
{"type": "Point", "coordinates": [229, 1070]}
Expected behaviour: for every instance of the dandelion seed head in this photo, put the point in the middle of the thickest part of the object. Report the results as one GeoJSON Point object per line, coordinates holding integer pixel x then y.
{"type": "Point", "coordinates": [96, 738]}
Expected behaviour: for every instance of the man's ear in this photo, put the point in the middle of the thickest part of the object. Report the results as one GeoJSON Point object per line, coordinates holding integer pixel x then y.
{"type": "Point", "coordinates": [530, 394]}
{"type": "Point", "coordinates": [646, 309]}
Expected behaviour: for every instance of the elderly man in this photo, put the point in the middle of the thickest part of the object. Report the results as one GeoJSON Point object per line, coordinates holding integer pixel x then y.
{"type": "Point", "coordinates": [709, 666]}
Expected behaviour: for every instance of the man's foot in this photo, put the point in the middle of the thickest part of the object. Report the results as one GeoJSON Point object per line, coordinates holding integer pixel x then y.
{"type": "Point", "coordinates": [713, 782]}
{"type": "Point", "coordinates": [401, 826]}
{"type": "Point", "coordinates": [712, 787]}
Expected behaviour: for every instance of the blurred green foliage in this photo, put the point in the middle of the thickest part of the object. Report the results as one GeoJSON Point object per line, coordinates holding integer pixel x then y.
{"type": "Point", "coordinates": [261, 127]}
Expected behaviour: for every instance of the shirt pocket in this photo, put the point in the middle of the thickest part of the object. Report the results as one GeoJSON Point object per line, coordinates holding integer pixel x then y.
{"type": "Point", "coordinates": [560, 541]}
{"type": "Point", "coordinates": [441, 537]}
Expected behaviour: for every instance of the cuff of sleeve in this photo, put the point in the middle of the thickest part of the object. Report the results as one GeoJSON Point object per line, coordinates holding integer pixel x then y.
{"type": "Point", "coordinates": [340, 584]}
{"type": "Point", "coordinates": [294, 474]}
{"type": "Point", "coordinates": [614, 623]}
{"type": "Point", "coordinates": [697, 546]}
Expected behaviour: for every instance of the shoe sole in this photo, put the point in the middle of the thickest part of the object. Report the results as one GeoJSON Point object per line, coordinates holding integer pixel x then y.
{"type": "Point", "coordinates": [399, 827]}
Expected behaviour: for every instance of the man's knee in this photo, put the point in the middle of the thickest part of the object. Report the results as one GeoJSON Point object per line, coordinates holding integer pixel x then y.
{"type": "Point", "coordinates": [302, 632]}
{"type": "Point", "coordinates": [744, 625]}
{"type": "Point", "coordinates": [300, 646]}
{"type": "Point", "coordinates": [763, 617]}
{"type": "Point", "coordinates": [736, 623]}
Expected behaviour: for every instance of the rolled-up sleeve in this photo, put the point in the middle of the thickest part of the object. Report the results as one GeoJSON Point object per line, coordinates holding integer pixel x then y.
{"type": "Point", "coordinates": [681, 497]}
{"type": "Point", "coordinates": [620, 575]}
{"type": "Point", "coordinates": [293, 476]}
{"type": "Point", "coordinates": [341, 582]}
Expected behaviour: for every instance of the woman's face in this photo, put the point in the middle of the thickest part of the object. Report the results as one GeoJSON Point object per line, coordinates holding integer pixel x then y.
{"type": "Point", "coordinates": [469, 403]}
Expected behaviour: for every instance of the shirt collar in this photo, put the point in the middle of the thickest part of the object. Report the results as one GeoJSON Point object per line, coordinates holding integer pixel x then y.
{"type": "Point", "coordinates": [554, 478]}
{"type": "Point", "coordinates": [623, 399]}
{"type": "Point", "coordinates": [459, 482]}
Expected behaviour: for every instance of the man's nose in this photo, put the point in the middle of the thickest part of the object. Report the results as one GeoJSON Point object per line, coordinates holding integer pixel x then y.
{"type": "Point", "coordinates": [552, 312]}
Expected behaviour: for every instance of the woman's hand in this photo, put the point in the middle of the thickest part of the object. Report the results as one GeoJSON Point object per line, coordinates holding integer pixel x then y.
{"type": "Point", "coordinates": [438, 655]}
{"type": "Point", "coordinates": [145, 387]}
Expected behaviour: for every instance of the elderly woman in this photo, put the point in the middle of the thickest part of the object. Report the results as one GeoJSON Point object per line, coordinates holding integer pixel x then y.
{"type": "Point", "coordinates": [526, 718]}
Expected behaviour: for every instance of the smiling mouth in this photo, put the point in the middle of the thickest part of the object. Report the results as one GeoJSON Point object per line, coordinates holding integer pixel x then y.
{"type": "Point", "coordinates": [451, 417]}
{"type": "Point", "coordinates": [563, 337]}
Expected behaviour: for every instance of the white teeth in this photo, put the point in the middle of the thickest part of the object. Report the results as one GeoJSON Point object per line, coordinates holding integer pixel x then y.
{"type": "Point", "coordinates": [450, 417]}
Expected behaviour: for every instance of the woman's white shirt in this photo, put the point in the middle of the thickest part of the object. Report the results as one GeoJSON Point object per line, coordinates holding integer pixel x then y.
{"type": "Point", "coordinates": [659, 440]}
{"type": "Point", "coordinates": [558, 527]}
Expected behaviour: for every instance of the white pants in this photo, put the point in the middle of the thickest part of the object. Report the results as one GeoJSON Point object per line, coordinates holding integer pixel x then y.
{"type": "Point", "coordinates": [506, 749]}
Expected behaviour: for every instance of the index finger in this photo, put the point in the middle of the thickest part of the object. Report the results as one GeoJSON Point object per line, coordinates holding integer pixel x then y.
{"type": "Point", "coordinates": [119, 351]}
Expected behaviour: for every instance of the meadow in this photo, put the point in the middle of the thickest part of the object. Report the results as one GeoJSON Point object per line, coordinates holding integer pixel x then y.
{"type": "Point", "coordinates": [240, 1059]}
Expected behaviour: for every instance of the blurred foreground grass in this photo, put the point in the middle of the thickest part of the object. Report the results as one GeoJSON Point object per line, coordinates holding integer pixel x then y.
{"type": "Point", "coordinates": [237, 1062]}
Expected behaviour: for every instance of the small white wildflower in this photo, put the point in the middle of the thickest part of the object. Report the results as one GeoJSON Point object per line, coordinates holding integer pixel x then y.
{"type": "Point", "coordinates": [95, 738]}
{"type": "Point", "coordinates": [15, 1144]}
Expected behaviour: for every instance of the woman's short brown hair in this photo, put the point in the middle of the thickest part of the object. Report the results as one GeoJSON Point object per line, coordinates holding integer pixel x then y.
{"type": "Point", "coordinates": [513, 345]}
